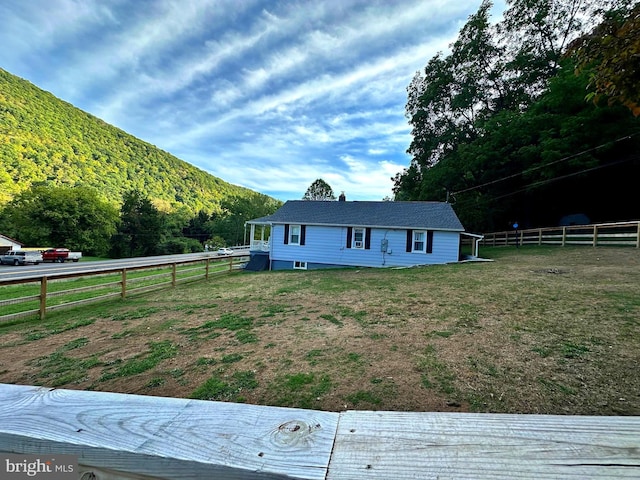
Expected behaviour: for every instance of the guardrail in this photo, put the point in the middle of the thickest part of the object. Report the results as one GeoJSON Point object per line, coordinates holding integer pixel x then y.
{"type": "Point", "coordinates": [619, 234]}
{"type": "Point", "coordinates": [63, 290]}
{"type": "Point", "coordinates": [124, 437]}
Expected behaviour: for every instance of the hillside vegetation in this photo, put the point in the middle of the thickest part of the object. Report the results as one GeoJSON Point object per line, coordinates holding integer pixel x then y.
{"type": "Point", "coordinates": [44, 139]}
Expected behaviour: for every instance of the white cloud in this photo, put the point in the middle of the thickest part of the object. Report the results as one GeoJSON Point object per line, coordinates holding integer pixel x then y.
{"type": "Point", "coordinates": [270, 95]}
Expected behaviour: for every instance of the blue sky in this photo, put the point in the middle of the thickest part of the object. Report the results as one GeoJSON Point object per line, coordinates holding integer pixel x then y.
{"type": "Point", "coordinates": [270, 95]}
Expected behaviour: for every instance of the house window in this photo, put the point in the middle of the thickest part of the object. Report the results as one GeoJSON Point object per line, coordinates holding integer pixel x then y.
{"type": "Point", "coordinates": [358, 238]}
{"type": "Point", "coordinates": [421, 241]}
{"type": "Point", "coordinates": [299, 265]}
{"type": "Point", "coordinates": [294, 235]}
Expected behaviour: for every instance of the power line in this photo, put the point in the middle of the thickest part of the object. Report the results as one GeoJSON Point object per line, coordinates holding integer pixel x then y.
{"type": "Point", "coordinates": [564, 159]}
{"type": "Point", "coordinates": [550, 180]}
{"type": "Point", "coordinates": [562, 177]}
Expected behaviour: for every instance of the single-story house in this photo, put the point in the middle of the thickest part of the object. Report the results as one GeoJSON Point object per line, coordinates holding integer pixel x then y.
{"type": "Point", "coordinates": [322, 234]}
{"type": "Point", "coordinates": [8, 243]}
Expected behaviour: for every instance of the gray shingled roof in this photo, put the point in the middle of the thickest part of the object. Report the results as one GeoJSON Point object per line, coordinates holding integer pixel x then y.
{"type": "Point", "coordinates": [431, 215]}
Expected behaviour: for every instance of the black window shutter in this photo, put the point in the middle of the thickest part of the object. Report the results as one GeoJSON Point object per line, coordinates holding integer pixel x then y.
{"type": "Point", "coordinates": [349, 235]}
{"type": "Point", "coordinates": [286, 233]}
{"type": "Point", "coordinates": [430, 241]}
{"type": "Point", "coordinates": [409, 239]}
{"type": "Point", "coordinates": [303, 233]}
{"type": "Point", "coordinates": [367, 239]}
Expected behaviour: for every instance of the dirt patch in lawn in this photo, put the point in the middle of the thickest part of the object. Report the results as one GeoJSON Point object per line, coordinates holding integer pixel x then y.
{"type": "Point", "coordinates": [539, 330]}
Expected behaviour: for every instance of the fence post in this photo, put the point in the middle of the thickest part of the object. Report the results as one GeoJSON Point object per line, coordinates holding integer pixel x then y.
{"type": "Point", "coordinates": [173, 275]}
{"type": "Point", "coordinates": [123, 291]}
{"type": "Point", "coordinates": [206, 269]}
{"type": "Point", "coordinates": [230, 264]}
{"type": "Point", "coordinates": [43, 297]}
{"type": "Point", "coordinates": [568, 235]}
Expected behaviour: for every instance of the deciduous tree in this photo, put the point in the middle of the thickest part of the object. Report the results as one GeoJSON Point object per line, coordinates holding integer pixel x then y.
{"type": "Point", "coordinates": [611, 55]}
{"type": "Point", "coordinates": [490, 70]}
{"type": "Point", "coordinates": [319, 190]}
{"type": "Point", "coordinates": [48, 216]}
{"type": "Point", "coordinates": [141, 228]}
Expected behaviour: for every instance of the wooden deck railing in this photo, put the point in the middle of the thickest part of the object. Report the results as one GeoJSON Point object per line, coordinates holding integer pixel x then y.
{"type": "Point", "coordinates": [603, 234]}
{"type": "Point", "coordinates": [117, 437]}
{"type": "Point", "coordinates": [46, 293]}
{"type": "Point", "coordinates": [259, 245]}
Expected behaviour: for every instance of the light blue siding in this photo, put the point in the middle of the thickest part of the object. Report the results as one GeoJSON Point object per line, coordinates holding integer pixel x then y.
{"type": "Point", "coordinates": [328, 246]}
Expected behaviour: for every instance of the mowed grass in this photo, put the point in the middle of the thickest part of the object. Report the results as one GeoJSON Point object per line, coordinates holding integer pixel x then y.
{"type": "Point", "coordinates": [538, 330]}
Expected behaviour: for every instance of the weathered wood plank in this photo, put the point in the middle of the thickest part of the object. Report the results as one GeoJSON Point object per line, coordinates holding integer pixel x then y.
{"type": "Point", "coordinates": [122, 436]}
{"type": "Point", "coordinates": [397, 445]}
{"type": "Point", "coordinates": [167, 437]}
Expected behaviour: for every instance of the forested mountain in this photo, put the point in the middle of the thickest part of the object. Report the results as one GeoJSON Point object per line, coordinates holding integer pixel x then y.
{"type": "Point", "coordinates": [505, 127]}
{"type": "Point", "coordinates": [46, 140]}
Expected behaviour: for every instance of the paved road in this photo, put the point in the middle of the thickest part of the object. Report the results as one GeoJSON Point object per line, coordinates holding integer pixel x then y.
{"type": "Point", "coordinates": [10, 272]}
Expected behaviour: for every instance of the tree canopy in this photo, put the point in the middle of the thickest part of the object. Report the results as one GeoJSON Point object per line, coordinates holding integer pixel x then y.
{"type": "Point", "coordinates": [501, 127]}
{"type": "Point", "coordinates": [319, 190]}
{"type": "Point", "coordinates": [79, 219]}
{"type": "Point", "coordinates": [49, 216]}
{"type": "Point", "coordinates": [611, 56]}
{"type": "Point", "coordinates": [141, 228]}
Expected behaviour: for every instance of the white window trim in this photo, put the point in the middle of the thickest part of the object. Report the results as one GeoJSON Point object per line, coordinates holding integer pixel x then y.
{"type": "Point", "coordinates": [358, 244]}
{"type": "Point", "coordinates": [291, 227]}
{"type": "Point", "coordinates": [298, 265]}
{"type": "Point", "coordinates": [424, 242]}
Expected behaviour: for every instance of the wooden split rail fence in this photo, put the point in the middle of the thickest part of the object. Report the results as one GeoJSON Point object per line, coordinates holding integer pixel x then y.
{"type": "Point", "coordinates": [30, 297]}
{"type": "Point", "coordinates": [597, 235]}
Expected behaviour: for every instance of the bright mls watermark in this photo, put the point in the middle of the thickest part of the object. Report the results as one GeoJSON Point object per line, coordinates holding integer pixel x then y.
{"type": "Point", "coordinates": [50, 467]}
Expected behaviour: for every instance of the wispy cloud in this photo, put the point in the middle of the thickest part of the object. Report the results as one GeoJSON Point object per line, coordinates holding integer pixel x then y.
{"type": "Point", "coordinates": [269, 95]}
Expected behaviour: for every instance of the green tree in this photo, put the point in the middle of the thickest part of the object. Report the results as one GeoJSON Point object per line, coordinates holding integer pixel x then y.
{"type": "Point", "coordinates": [455, 93]}
{"type": "Point", "coordinates": [141, 229]}
{"type": "Point", "coordinates": [179, 245]}
{"type": "Point", "coordinates": [50, 216]}
{"type": "Point", "coordinates": [611, 56]}
{"type": "Point", "coordinates": [319, 190]}
{"type": "Point", "coordinates": [230, 225]}
{"type": "Point", "coordinates": [197, 227]}
{"type": "Point", "coordinates": [561, 156]}
{"type": "Point", "coordinates": [492, 74]}
{"type": "Point", "coordinates": [216, 242]}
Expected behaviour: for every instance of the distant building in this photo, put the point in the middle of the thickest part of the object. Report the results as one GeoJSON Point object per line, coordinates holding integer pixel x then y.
{"type": "Point", "coordinates": [8, 243]}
